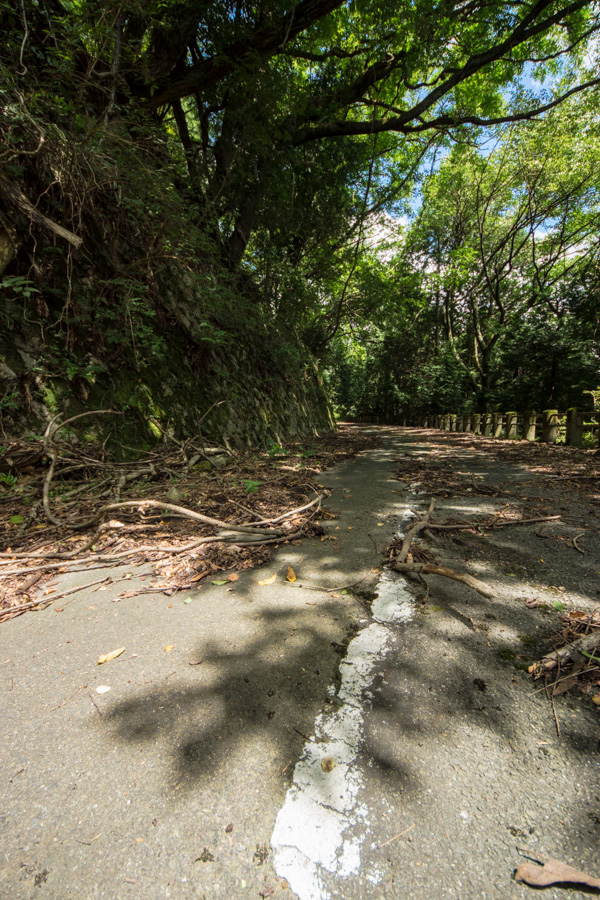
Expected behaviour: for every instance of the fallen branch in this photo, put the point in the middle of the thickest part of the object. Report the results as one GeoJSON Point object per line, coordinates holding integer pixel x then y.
{"type": "Point", "coordinates": [432, 569]}
{"type": "Point", "coordinates": [495, 524]}
{"type": "Point", "coordinates": [11, 611]}
{"type": "Point", "coordinates": [412, 568]}
{"type": "Point", "coordinates": [564, 654]}
{"type": "Point", "coordinates": [570, 677]}
{"type": "Point", "coordinates": [292, 512]}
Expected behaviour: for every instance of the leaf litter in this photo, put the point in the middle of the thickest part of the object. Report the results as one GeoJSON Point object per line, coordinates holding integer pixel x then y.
{"type": "Point", "coordinates": [555, 479]}
{"type": "Point", "coordinates": [263, 500]}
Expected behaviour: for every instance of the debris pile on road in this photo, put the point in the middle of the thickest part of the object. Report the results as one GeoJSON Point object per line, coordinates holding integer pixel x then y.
{"type": "Point", "coordinates": [575, 661]}
{"type": "Point", "coordinates": [189, 508]}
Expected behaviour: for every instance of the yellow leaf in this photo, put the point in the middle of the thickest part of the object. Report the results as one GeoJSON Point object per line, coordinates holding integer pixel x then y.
{"type": "Point", "coordinates": [291, 575]}
{"type": "Point", "coordinates": [380, 524]}
{"type": "Point", "coordinates": [109, 656]}
{"type": "Point", "coordinates": [169, 647]}
{"type": "Point", "coordinates": [268, 580]}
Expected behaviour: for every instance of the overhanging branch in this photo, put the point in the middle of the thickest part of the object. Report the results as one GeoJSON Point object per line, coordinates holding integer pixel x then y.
{"type": "Point", "coordinates": [403, 125]}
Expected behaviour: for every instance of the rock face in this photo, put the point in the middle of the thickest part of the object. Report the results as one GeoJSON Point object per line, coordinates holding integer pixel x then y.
{"type": "Point", "coordinates": [144, 318]}
{"type": "Point", "coordinates": [276, 410]}
{"type": "Point", "coordinates": [240, 390]}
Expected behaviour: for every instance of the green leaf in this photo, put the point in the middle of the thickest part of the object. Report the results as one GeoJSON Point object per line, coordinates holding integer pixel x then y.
{"type": "Point", "coordinates": [558, 604]}
{"type": "Point", "coordinates": [220, 582]}
{"type": "Point", "coordinates": [16, 520]}
{"type": "Point", "coordinates": [188, 600]}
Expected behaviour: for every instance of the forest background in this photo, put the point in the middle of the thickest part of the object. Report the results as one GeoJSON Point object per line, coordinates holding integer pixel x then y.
{"type": "Point", "coordinates": [228, 215]}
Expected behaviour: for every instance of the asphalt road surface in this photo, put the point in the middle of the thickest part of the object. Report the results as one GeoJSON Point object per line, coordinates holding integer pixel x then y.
{"type": "Point", "coordinates": [278, 740]}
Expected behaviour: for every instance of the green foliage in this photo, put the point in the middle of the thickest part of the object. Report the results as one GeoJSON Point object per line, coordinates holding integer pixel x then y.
{"type": "Point", "coordinates": [274, 449]}
{"type": "Point", "coordinates": [9, 402]}
{"type": "Point", "coordinates": [17, 284]}
{"type": "Point", "coordinates": [231, 168]}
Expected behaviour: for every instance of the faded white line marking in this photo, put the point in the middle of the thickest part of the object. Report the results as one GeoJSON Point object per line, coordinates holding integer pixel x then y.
{"type": "Point", "coordinates": [322, 824]}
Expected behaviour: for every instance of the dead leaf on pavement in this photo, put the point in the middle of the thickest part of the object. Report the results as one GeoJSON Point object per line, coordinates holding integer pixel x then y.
{"type": "Point", "coordinates": [233, 577]}
{"type": "Point", "coordinates": [268, 580]}
{"type": "Point", "coordinates": [108, 656]}
{"type": "Point", "coordinates": [291, 575]}
{"type": "Point", "coordinates": [565, 684]}
{"type": "Point", "coordinates": [553, 872]}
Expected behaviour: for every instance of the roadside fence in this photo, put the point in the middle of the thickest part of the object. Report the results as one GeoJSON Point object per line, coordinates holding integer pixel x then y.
{"type": "Point", "coordinates": [549, 426]}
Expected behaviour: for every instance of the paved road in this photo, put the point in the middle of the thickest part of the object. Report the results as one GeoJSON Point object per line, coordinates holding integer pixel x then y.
{"type": "Point", "coordinates": [246, 762]}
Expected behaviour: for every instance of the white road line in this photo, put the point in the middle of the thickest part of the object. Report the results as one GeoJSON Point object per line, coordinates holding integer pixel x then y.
{"type": "Point", "coordinates": [322, 824]}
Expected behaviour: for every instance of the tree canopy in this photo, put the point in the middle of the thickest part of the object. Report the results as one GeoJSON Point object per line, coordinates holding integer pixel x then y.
{"type": "Point", "coordinates": [271, 148]}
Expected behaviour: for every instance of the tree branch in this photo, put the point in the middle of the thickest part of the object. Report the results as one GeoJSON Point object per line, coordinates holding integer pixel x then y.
{"type": "Point", "coordinates": [13, 195]}
{"type": "Point", "coordinates": [402, 124]}
{"type": "Point", "coordinates": [265, 41]}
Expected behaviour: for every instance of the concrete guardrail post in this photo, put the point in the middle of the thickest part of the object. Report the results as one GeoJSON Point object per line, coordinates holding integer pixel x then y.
{"type": "Point", "coordinates": [466, 423]}
{"type": "Point", "coordinates": [452, 419]}
{"type": "Point", "coordinates": [487, 424]}
{"type": "Point", "coordinates": [476, 423]}
{"type": "Point", "coordinates": [511, 426]}
{"type": "Point", "coordinates": [529, 420]}
{"type": "Point", "coordinates": [550, 426]}
{"type": "Point", "coordinates": [574, 427]}
{"type": "Point", "coordinates": [497, 420]}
